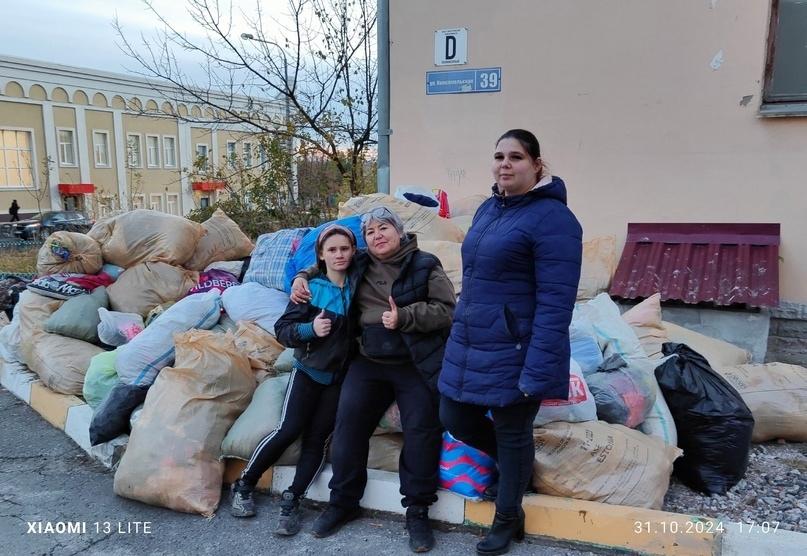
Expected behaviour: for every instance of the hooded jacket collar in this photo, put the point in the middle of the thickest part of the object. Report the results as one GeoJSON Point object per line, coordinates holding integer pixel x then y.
{"type": "Point", "coordinates": [553, 188]}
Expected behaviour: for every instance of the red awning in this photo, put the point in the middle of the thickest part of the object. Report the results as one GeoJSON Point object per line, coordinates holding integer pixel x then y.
{"type": "Point", "coordinates": [722, 264]}
{"type": "Point", "coordinates": [208, 185]}
{"type": "Point", "coordinates": [76, 188]}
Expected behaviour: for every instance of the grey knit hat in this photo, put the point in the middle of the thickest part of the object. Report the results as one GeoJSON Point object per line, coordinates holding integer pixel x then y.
{"type": "Point", "coordinates": [382, 214]}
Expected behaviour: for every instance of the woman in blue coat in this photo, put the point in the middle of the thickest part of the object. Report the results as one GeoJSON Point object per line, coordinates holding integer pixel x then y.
{"type": "Point", "coordinates": [509, 344]}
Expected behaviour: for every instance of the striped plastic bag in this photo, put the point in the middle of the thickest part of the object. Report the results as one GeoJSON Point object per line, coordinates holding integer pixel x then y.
{"type": "Point", "coordinates": [465, 470]}
{"type": "Point", "coordinates": [271, 255]}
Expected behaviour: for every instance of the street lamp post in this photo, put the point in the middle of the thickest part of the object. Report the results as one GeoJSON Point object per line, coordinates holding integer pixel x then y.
{"type": "Point", "coordinates": [289, 145]}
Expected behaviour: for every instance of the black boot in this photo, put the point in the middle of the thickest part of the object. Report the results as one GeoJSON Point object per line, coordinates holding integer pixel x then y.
{"type": "Point", "coordinates": [490, 493]}
{"type": "Point", "coordinates": [505, 528]}
{"type": "Point", "coordinates": [421, 537]}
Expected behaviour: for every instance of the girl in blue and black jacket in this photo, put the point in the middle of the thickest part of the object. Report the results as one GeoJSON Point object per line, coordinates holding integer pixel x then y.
{"type": "Point", "coordinates": [321, 334]}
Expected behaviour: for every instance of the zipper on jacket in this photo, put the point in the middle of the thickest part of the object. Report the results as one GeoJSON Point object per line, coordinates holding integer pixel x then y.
{"type": "Point", "coordinates": [470, 275]}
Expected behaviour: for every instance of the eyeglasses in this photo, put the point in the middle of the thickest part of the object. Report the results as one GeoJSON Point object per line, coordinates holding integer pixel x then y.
{"type": "Point", "coordinates": [377, 213]}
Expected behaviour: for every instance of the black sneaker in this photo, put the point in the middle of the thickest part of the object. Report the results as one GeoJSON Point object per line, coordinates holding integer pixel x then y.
{"type": "Point", "coordinates": [332, 519]}
{"type": "Point", "coordinates": [421, 538]}
{"type": "Point", "coordinates": [241, 503]}
{"type": "Point", "coordinates": [289, 522]}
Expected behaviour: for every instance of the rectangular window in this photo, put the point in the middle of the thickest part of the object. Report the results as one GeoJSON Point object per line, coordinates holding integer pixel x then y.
{"type": "Point", "coordinates": [100, 148]}
{"type": "Point", "coordinates": [172, 202]}
{"type": "Point", "coordinates": [248, 155]}
{"type": "Point", "coordinates": [67, 147]}
{"type": "Point", "coordinates": [138, 201]}
{"type": "Point", "coordinates": [134, 157]}
{"type": "Point", "coordinates": [169, 151]}
{"type": "Point", "coordinates": [201, 156]}
{"type": "Point", "coordinates": [204, 202]}
{"type": "Point", "coordinates": [156, 201]}
{"type": "Point", "coordinates": [785, 91]}
{"type": "Point", "coordinates": [17, 167]}
{"type": "Point", "coordinates": [262, 156]}
{"type": "Point", "coordinates": [231, 155]}
{"type": "Point", "coordinates": [153, 151]}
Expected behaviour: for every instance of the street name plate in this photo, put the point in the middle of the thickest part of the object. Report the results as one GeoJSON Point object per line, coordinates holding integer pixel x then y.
{"type": "Point", "coordinates": [450, 82]}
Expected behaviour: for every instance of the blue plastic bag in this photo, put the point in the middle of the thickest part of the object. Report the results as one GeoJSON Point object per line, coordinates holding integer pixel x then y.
{"type": "Point", "coordinates": [465, 470]}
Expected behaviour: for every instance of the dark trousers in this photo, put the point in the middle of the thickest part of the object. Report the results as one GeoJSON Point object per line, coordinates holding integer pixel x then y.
{"type": "Point", "coordinates": [308, 409]}
{"type": "Point", "coordinates": [507, 439]}
{"type": "Point", "coordinates": [368, 391]}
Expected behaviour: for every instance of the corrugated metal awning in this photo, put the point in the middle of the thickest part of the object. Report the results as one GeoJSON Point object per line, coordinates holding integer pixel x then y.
{"type": "Point", "coordinates": [723, 264]}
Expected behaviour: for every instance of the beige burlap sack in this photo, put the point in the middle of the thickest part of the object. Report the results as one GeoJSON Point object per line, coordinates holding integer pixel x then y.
{"type": "Point", "coordinates": [450, 255]}
{"type": "Point", "coordinates": [776, 394]}
{"type": "Point", "coordinates": [143, 287]}
{"type": "Point", "coordinates": [61, 362]}
{"type": "Point", "coordinates": [645, 320]}
{"type": "Point", "coordinates": [602, 462]}
{"type": "Point", "coordinates": [223, 241]}
{"type": "Point", "coordinates": [260, 419]}
{"type": "Point", "coordinates": [717, 352]}
{"type": "Point", "coordinates": [466, 206]}
{"type": "Point", "coordinates": [172, 459]}
{"type": "Point", "coordinates": [144, 235]}
{"type": "Point", "coordinates": [385, 452]}
{"type": "Point", "coordinates": [416, 218]}
{"type": "Point", "coordinates": [599, 264]}
{"type": "Point", "coordinates": [260, 347]}
{"type": "Point", "coordinates": [83, 254]}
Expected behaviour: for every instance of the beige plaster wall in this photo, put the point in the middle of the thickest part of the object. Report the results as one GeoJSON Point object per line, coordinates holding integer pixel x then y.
{"type": "Point", "coordinates": [16, 114]}
{"type": "Point", "coordinates": [627, 107]}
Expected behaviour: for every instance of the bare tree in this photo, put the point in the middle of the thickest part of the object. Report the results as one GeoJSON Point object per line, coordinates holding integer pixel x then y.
{"type": "Point", "coordinates": [320, 63]}
{"type": "Point", "coordinates": [43, 191]}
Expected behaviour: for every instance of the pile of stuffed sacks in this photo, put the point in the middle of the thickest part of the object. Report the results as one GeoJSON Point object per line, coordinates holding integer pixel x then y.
{"type": "Point", "coordinates": [166, 328]}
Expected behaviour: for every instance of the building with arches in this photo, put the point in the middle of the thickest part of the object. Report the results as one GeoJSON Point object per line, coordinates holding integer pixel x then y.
{"type": "Point", "coordinates": [81, 139]}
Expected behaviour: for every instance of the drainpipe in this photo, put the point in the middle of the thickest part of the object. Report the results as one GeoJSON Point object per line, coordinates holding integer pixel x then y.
{"type": "Point", "coordinates": [383, 96]}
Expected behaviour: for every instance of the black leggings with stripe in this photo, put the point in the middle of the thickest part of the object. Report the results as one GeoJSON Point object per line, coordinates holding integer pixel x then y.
{"type": "Point", "coordinates": [308, 409]}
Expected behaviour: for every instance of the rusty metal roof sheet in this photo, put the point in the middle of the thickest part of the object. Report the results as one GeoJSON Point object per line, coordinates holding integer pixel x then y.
{"type": "Point", "coordinates": [722, 264]}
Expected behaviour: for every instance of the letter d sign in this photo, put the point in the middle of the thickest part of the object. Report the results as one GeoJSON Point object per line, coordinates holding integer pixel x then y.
{"type": "Point", "coordinates": [451, 47]}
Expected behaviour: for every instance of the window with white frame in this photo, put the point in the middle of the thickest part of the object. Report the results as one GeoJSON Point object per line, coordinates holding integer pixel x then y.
{"type": "Point", "coordinates": [67, 146]}
{"type": "Point", "coordinates": [231, 154]}
{"type": "Point", "coordinates": [17, 158]}
{"type": "Point", "coordinates": [134, 152]}
{"type": "Point", "coordinates": [202, 155]}
{"type": "Point", "coordinates": [156, 201]}
{"type": "Point", "coordinates": [138, 201]}
{"type": "Point", "coordinates": [262, 155]}
{"type": "Point", "coordinates": [169, 151]}
{"type": "Point", "coordinates": [247, 155]}
{"type": "Point", "coordinates": [172, 203]}
{"type": "Point", "coordinates": [100, 148]}
{"type": "Point", "coordinates": [153, 151]}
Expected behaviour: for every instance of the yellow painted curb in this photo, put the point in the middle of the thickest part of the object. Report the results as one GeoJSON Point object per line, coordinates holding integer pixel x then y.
{"type": "Point", "coordinates": [51, 405]}
{"type": "Point", "coordinates": [638, 529]}
{"type": "Point", "coordinates": [233, 468]}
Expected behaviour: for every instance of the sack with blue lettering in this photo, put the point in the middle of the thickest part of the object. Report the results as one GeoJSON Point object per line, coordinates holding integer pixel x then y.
{"type": "Point", "coordinates": [146, 354]}
{"type": "Point", "coordinates": [465, 470]}
{"type": "Point", "coordinates": [305, 256]}
{"type": "Point", "coordinates": [267, 266]}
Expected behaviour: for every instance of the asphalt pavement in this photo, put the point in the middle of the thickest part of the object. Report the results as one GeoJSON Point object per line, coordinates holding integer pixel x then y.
{"type": "Point", "coordinates": [56, 500]}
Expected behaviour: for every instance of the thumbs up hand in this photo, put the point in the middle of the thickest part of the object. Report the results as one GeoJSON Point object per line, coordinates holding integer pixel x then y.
{"type": "Point", "coordinates": [390, 318]}
{"type": "Point", "coordinates": [322, 325]}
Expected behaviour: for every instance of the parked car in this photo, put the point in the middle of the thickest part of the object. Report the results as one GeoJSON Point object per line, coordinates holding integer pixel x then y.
{"type": "Point", "coordinates": [40, 227]}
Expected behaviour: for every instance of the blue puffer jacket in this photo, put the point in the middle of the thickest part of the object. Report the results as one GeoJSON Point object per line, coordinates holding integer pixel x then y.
{"type": "Point", "coordinates": [520, 269]}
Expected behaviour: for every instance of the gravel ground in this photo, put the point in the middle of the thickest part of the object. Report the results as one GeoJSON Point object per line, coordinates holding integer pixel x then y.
{"type": "Point", "coordinates": [774, 490]}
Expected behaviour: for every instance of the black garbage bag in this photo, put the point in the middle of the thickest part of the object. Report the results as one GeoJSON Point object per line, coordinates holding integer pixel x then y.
{"type": "Point", "coordinates": [714, 424]}
{"type": "Point", "coordinates": [111, 418]}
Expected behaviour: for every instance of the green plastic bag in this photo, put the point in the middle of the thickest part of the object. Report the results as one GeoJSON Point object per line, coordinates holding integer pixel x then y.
{"type": "Point", "coordinates": [100, 378]}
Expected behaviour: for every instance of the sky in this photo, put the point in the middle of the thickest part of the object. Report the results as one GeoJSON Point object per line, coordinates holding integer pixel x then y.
{"type": "Point", "coordinates": [80, 32]}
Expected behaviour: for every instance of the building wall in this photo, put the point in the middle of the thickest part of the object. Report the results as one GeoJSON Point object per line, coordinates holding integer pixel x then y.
{"type": "Point", "coordinates": [29, 116]}
{"type": "Point", "coordinates": [627, 105]}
